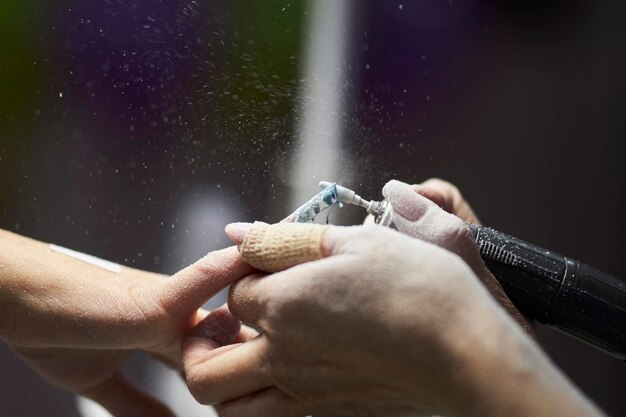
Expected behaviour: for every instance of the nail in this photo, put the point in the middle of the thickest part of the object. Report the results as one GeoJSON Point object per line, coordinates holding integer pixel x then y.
{"type": "Point", "coordinates": [237, 231]}
{"type": "Point", "coordinates": [405, 201]}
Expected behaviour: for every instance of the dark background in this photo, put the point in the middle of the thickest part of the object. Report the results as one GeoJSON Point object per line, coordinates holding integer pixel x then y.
{"type": "Point", "coordinates": [115, 114]}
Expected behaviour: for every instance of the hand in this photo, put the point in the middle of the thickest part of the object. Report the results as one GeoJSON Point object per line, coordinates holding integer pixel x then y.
{"type": "Point", "coordinates": [76, 323]}
{"type": "Point", "coordinates": [436, 212]}
{"type": "Point", "coordinates": [302, 309]}
{"type": "Point", "coordinates": [385, 325]}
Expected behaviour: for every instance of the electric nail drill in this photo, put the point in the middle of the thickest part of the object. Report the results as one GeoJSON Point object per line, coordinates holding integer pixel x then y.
{"type": "Point", "coordinates": [557, 291]}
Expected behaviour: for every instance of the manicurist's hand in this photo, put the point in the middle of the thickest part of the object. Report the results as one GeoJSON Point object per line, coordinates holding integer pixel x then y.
{"type": "Point", "coordinates": [382, 325]}
{"type": "Point", "coordinates": [76, 323]}
{"type": "Point", "coordinates": [436, 212]}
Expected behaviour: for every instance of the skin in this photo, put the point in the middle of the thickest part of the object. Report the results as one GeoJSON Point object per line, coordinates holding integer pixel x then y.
{"type": "Point", "coordinates": [384, 325]}
{"type": "Point", "coordinates": [76, 323]}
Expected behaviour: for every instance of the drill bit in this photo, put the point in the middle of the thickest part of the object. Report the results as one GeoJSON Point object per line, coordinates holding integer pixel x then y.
{"type": "Point", "coordinates": [347, 196]}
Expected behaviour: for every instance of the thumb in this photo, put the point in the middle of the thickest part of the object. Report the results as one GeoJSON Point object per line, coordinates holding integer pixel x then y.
{"type": "Point", "coordinates": [187, 290]}
{"type": "Point", "coordinates": [274, 248]}
{"type": "Point", "coordinates": [121, 397]}
{"type": "Point", "coordinates": [417, 216]}
{"type": "Point", "coordinates": [406, 202]}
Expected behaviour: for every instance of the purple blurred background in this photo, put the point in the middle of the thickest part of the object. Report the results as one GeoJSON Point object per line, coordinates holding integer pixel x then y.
{"type": "Point", "coordinates": [116, 116]}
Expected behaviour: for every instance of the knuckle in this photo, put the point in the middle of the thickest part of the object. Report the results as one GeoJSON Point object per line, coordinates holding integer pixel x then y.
{"type": "Point", "coordinates": [352, 239]}
{"type": "Point", "coordinates": [371, 232]}
{"type": "Point", "coordinates": [372, 236]}
{"type": "Point", "coordinates": [250, 297]}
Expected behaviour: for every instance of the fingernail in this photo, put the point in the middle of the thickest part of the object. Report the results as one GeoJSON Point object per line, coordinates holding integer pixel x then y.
{"type": "Point", "coordinates": [405, 201]}
{"type": "Point", "coordinates": [238, 231]}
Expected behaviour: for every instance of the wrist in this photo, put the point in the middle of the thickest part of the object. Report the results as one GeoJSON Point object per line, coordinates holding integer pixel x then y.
{"type": "Point", "coordinates": [498, 370]}
{"type": "Point", "coordinates": [442, 338]}
{"type": "Point", "coordinates": [467, 358]}
{"type": "Point", "coordinates": [489, 360]}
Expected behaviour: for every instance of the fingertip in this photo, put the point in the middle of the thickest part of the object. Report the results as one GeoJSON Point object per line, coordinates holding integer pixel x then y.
{"type": "Point", "coordinates": [237, 231]}
{"type": "Point", "coordinates": [405, 201]}
{"type": "Point", "coordinates": [394, 187]}
{"type": "Point", "coordinates": [393, 183]}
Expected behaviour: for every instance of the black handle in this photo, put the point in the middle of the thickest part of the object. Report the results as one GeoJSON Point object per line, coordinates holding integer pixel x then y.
{"type": "Point", "coordinates": [559, 292]}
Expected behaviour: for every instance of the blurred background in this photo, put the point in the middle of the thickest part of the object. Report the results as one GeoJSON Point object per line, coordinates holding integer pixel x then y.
{"type": "Point", "coordinates": [135, 130]}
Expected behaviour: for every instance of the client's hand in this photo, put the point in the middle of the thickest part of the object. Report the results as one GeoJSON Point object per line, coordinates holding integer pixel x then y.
{"type": "Point", "coordinates": [383, 325]}
{"type": "Point", "coordinates": [76, 323]}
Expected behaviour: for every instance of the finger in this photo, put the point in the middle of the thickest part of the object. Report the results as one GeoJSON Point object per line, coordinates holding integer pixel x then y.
{"type": "Point", "coordinates": [223, 374]}
{"type": "Point", "coordinates": [433, 195]}
{"type": "Point", "coordinates": [219, 325]}
{"type": "Point", "coordinates": [405, 201]}
{"type": "Point", "coordinates": [123, 398]}
{"type": "Point", "coordinates": [249, 298]}
{"type": "Point", "coordinates": [448, 197]}
{"type": "Point", "coordinates": [428, 222]}
{"type": "Point", "coordinates": [277, 247]}
{"type": "Point", "coordinates": [280, 246]}
{"type": "Point", "coordinates": [266, 403]}
{"type": "Point", "coordinates": [188, 289]}
{"type": "Point", "coordinates": [417, 216]}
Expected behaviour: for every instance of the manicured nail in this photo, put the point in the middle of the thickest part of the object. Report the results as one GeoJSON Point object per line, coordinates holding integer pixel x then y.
{"type": "Point", "coordinates": [405, 201]}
